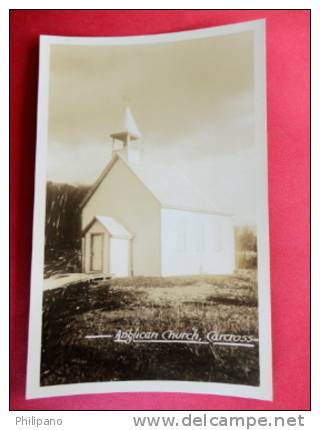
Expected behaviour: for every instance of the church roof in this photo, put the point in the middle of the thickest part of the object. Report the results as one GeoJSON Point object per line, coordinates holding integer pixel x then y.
{"type": "Point", "coordinates": [114, 228]}
{"type": "Point", "coordinates": [170, 187]}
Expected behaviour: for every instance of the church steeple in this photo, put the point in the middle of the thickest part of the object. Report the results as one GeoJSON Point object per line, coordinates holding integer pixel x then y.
{"type": "Point", "coordinates": [124, 141]}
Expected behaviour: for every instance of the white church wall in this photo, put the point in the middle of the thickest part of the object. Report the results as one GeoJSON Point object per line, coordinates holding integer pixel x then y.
{"type": "Point", "coordinates": [122, 196]}
{"type": "Point", "coordinates": [196, 243]}
{"type": "Point", "coordinates": [119, 257]}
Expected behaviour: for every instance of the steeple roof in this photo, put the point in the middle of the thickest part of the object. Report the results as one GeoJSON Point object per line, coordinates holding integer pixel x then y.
{"type": "Point", "coordinates": [130, 124]}
{"type": "Point", "coordinates": [129, 127]}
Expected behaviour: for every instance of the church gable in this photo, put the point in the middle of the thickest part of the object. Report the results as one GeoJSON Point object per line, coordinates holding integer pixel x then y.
{"type": "Point", "coordinates": [116, 192]}
{"type": "Point", "coordinates": [121, 195]}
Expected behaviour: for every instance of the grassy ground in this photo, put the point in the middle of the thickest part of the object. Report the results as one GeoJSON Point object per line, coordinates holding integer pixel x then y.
{"type": "Point", "coordinates": [227, 304]}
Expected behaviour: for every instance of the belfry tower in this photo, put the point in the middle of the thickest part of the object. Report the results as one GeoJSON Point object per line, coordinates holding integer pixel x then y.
{"type": "Point", "coordinates": [125, 141]}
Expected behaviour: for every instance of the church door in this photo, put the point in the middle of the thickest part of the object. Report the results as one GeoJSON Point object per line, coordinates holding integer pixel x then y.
{"type": "Point", "coordinates": [96, 252]}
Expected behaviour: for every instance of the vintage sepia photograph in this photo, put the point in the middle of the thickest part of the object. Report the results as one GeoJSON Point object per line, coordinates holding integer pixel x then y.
{"type": "Point", "coordinates": [151, 255]}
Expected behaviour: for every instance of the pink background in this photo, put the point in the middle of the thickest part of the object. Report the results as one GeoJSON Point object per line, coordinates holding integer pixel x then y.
{"type": "Point", "coordinates": [288, 147]}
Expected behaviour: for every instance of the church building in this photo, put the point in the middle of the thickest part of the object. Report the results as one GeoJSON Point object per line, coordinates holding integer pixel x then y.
{"type": "Point", "coordinates": [140, 219]}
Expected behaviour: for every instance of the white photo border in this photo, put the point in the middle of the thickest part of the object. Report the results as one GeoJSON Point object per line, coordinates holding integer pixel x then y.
{"type": "Point", "coordinates": [264, 390]}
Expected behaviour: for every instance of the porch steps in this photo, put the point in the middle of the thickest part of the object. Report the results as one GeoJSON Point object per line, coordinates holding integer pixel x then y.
{"type": "Point", "coordinates": [66, 279]}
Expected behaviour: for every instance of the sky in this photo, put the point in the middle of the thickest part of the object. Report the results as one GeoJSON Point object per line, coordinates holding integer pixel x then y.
{"type": "Point", "coordinates": [192, 101]}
